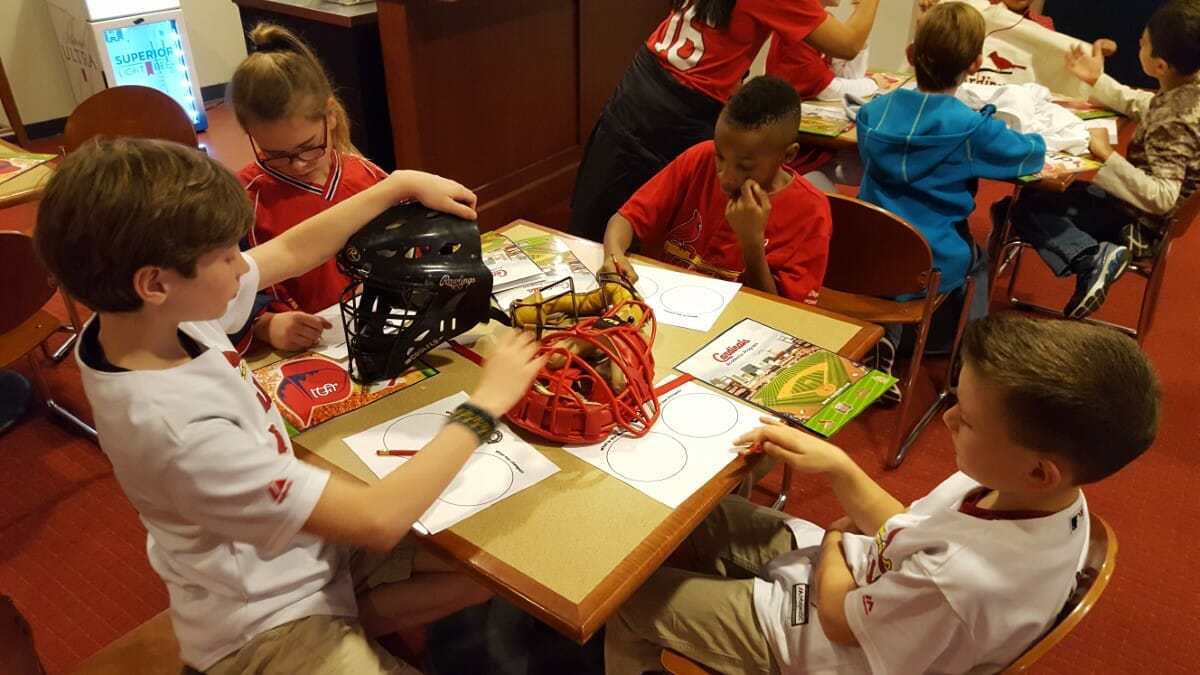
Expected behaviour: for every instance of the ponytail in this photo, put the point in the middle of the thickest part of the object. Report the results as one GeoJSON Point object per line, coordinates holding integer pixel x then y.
{"type": "Point", "coordinates": [283, 78]}
{"type": "Point", "coordinates": [716, 13]}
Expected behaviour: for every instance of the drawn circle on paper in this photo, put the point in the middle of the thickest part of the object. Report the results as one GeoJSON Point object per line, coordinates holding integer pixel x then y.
{"type": "Point", "coordinates": [691, 300]}
{"type": "Point", "coordinates": [647, 287]}
{"type": "Point", "coordinates": [399, 434]}
{"type": "Point", "coordinates": [483, 479]}
{"type": "Point", "coordinates": [699, 415]}
{"type": "Point", "coordinates": [654, 457]}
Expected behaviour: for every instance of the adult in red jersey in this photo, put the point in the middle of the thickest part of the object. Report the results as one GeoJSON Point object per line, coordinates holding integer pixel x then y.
{"type": "Point", "coordinates": [670, 96]}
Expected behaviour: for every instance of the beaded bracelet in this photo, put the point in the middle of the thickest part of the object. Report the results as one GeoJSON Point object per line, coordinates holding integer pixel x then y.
{"type": "Point", "coordinates": [478, 420]}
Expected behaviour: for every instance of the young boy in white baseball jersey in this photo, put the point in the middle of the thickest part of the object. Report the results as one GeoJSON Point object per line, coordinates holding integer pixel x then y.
{"type": "Point", "coordinates": [244, 534]}
{"type": "Point", "coordinates": [964, 579]}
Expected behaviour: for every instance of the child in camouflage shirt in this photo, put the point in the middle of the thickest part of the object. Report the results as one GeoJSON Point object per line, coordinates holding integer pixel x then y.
{"type": "Point", "coordinates": [1094, 229]}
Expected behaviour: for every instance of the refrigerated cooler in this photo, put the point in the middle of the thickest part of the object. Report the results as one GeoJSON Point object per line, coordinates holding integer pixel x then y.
{"type": "Point", "coordinates": [107, 43]}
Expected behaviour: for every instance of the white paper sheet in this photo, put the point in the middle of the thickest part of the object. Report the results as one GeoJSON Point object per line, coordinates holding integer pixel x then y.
{"type": "Point", "coordinates": [1109, 124]}
{"type": "Point", "coordinates": [495, 471]}
{"type": "Point", "coordinates": [684, 300]}
{"type": "Point", "coordinates": [691, 441]}
{"type": "Point", "coordinates": [333, 339]}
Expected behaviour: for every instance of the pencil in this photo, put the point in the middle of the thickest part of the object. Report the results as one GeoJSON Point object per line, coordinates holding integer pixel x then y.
{"type": "Point", "coordinates": [617, 266]}
{"type": "Point", "coordinates": [395, 453]}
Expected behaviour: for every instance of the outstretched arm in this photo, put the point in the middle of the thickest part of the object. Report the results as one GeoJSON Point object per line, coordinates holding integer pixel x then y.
{"type": "Point", "coordinates": [618, 237]}
{"type": "Point", "coordinates": [845, 40]}
{"type": "Point", "coordinates": [866, 503]}
{"type": "Point", "coordinates": [319, 238]}
{"type": "Point", "coordinates": [378, 516]}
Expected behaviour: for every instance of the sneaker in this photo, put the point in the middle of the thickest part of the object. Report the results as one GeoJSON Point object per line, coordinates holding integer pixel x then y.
{"type": "Point", "coordinates": [885, 357]}
{"type": "Point", "coordinates": [14, 398]}
{"type": "Point", "coordinates": [1091, 285]}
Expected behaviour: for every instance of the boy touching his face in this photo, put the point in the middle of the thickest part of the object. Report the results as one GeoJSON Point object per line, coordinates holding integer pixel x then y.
{"type": "Point", "coordinates": [751, 220]}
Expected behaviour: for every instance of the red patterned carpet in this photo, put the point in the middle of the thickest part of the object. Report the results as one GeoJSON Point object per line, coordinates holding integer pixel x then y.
{"type": "Point", "coordinates": [72, 551]}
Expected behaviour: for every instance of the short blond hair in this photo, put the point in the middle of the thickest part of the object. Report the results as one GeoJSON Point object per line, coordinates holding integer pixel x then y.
{"type": "Point", "coordinates": [949, 38]}
{"type": "Point", "coordinates": [116, 206]}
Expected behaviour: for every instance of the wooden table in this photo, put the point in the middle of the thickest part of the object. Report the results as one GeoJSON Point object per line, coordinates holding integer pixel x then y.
{"type": "Point", "coordinates": [24, 188]}
{"type": "Point", "coordinates": [570, 549]}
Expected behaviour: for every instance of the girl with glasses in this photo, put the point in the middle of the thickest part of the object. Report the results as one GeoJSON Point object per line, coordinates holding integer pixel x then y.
{"type": "Point", "coordinates": [304, 163]}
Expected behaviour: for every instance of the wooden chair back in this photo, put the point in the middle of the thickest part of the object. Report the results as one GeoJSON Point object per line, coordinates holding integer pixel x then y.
{"type": "Point", "coordinates": [1098, 568]}
{"type": "Point", "coordinates": [1155, 269]}
{"type": "Point", "coordinates": [25, 281]}
{"type": "Point", "coordinates": [875, 252]}
{"type": "Point", "coordinates": [129, 111]}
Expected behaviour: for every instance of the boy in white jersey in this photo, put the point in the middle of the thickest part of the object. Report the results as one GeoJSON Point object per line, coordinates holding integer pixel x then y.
{"type": "Point", "coordinates": [245, 536]}
{"type": "Point", "coordinates": [964, 579]}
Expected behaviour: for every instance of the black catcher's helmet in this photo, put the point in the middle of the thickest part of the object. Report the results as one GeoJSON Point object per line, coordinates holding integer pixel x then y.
{"type": "Point", "coordinates": [417, 280]}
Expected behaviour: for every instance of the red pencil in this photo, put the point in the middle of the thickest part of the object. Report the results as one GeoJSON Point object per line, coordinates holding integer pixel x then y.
{"type": "Point", "coordinates": [395, 453]}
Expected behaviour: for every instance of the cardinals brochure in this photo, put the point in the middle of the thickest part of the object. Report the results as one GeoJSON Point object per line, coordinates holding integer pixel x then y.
{"type": "Point", "coordinates": [312, 388]}
{"type": "Point", "coordinates": [808, 385]}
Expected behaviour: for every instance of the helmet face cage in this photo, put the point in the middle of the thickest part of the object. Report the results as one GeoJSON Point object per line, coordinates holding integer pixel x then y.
{"type": "Point", "coordinates": [578, 399]}
{"type": "Point", "coordinates": [417, 280]}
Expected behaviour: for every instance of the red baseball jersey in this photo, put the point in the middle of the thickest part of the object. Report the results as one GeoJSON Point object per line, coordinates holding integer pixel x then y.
{"type": "Point", "coordinates": [281, 202]}
{"type": "Point", "coordinates": [713, 60]}
{"type": "Point", "coordinates": [807, 69]}
{"type": "Point", "coordinates": [679, 215]}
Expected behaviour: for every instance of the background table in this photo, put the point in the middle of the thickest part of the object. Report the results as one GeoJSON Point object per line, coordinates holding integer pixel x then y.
{"type": "Point", "coordinates": [24, 188]}
{"type": "Point", "coordinates": [571, 548]}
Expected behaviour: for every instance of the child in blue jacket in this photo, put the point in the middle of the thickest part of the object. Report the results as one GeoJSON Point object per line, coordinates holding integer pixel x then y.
{"type": "Point", "coordinates": [924, 151]}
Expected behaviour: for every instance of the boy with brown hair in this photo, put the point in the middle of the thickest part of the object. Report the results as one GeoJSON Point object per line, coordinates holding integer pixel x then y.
{"type": "Point", "coordinates": [751, 220]}
{"type": "Point", "coordinates": [962, 580]}
{"type": "Point", "coordinates": [245, 536]}
{"type": "Point", "coordinates": [1094, 229]}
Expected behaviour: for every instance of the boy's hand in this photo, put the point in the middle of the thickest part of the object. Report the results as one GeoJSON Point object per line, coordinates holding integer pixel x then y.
{"type": "Point", "coordinates": [924, 5]}
{"type": "Point", "coordinates": [617, 263]}
{"type": "Point", "coordinates": [748, 214]}
{"type": "Point", "coordinates": [436, 192]}
{"type": "Point", "coordinates": [508, 372]}
{"type": "Point", "coordinates": [290, 331]}
{"type": "Point", "coordinates": [1098, 144]}
{"type": "Point", "coordinates": [1086, 65]}
{"type": "Point", "coordinates": [805, 453]}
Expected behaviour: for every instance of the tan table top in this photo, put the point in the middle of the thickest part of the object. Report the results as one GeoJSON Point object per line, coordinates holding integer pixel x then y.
{"type": "Point", "coordinates": [571, 548]}
{"type": "Point", "coordinates": [24, 188]}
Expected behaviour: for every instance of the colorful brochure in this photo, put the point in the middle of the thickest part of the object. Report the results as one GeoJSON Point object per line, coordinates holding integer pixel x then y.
{"type": "Point", "coordinates": [1062, 164]}
{"type": "Point", "coordinates": [824, 120]}
{"type": "Point", "coordinates": [557, 262]}
{"type": "Point", "coordinates": [510, 266]}
{"type": "Point", "coordinates": [808, 385]}
{"type": "Point", "coordinates": [310, 388]}
{"type": "Point", "coordinates": [1085, 110]}
{"type": "Point", "coordinates": [13, 164]}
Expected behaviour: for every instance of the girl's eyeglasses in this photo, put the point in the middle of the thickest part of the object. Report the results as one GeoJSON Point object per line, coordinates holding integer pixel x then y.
{"type": "Point", "coordinates": [279, 161]}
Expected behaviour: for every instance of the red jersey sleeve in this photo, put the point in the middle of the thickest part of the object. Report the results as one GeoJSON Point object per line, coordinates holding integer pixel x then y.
{"type": "Point", "coordinates": [802, 66]}
{"type": "Point", "coordinates": [652, 208]}
{"type": "Point", "coordinates": [798, 241]}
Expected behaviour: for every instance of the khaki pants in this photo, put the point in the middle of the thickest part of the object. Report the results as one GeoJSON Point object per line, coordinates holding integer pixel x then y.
{"type": "Point", "coordinates": [328, 645]}
{"type": "Point", "coordinates": [705, 612]}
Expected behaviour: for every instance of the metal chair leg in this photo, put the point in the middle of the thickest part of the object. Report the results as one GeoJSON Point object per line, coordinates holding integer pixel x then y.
{"type": "Point", "coordinates": [784, 489]}
{"type": "Point", "coordinates": [55, 407]}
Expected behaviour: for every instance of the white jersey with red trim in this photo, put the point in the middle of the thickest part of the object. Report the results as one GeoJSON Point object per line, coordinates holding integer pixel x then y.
{"type": "Point", "coordinates": [203, 455]}
{"type": "Point", "coordinates": [945, 587]}
{"type": "Point", "coordinates": [713, 60]}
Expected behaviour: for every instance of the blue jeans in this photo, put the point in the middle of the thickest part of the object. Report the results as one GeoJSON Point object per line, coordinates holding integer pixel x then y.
{"type": "Point", "coordinates": [1064, 226]}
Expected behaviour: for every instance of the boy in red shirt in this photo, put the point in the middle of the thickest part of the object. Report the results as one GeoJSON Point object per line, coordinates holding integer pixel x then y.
{"type": "Point", "coordinates": [751, 220]}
